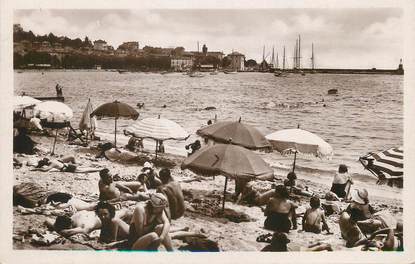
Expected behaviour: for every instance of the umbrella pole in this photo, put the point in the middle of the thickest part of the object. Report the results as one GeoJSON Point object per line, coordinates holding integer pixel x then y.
{"type": "Point", "coordinates": [115, 133]}
{"type": "Point", "coordinates": [54, 142]}
{"type": "Point", "coordinates": [295, 158]}
{"type": "Point", "coordinates": [156, 147]}
{"type": "Point", "coordinates": [224, 193]}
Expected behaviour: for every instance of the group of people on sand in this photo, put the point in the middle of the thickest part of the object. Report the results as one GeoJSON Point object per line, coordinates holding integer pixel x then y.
{"type": "Point", "coordinates": [157, 199]}
{"type": "Point", "coordinates": [361, 227]}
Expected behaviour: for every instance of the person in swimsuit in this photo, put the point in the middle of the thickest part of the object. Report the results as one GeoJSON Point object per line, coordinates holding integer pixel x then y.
{"type": "Point", "coordinates": [150, 226]}
{"type": "Point", "coordinates": [340, 181]}
{"type": "Point", "coordinates": [349, 229]}
{"type": "Point", "coordinates": [295, 188]}
{"type": "Point", "coordinates": [152, 180]}
{"type": "Point", "coordinates": [280, 211]}
{"type": "Point", "coordinates": [313, 217]}
{"type": "Point", "coordinates": [111, 191]}
{"type": "Point", "coordinates": [362, 209]}
{"type": "Point", "coordinates": [112, 228]}
{"type": "Point", "coordinates": [386, 239]}
{"type": "Point", "coordinates": [65, 164]}
{"type": "Point", "coordinates": [65, 200]}
{"type": "Point", "coordinates": [174, 194]}
{"type": "Point", "coordinates": [82, 222]}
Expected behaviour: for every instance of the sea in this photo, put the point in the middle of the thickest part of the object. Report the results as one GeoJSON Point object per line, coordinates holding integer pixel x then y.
{"type": "Point", "coordinates": [365, 116]}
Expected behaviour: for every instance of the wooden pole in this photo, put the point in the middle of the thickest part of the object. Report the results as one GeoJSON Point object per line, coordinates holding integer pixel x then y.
{"type": "Point", "coordinates": [115, 133]}
{"type": "Point", "coordinates": [224, 194]}
{"type": "Point", "coordinates": [295, 158]}
{"type": "Point", "coordinates": [156, 147]}
{"type": "Point", "coordinates": [54, 142]}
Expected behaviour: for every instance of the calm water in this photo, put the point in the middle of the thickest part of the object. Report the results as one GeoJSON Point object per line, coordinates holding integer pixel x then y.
{"type": "Point", "coordinates": [367, 115]}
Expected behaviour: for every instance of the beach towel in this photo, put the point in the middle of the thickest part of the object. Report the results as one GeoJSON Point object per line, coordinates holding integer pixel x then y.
{"type": "Point", "coordinates": [29, 194]}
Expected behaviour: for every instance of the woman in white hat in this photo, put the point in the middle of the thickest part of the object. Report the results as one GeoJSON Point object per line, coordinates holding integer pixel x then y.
{"type": "Point", "coordinates": [149, 225]}
{"type": "Point", "coordinates": [360, 201]}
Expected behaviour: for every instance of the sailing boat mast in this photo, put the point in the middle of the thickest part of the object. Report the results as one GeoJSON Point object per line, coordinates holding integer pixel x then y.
{"type": "Point", "coordinates": [299, 52]}
{"type": "Point", "coordinates": [272, 58]}
{"type": "Point", "coordinates": [283, 59]}
{"type": "Point", "coordinates": [312, 56]}
{"type": "Point", "coordinates": [277, 66]}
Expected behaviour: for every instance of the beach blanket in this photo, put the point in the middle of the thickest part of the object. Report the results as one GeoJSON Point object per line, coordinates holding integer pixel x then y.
{"type": "Point", "coordinates": [29, 194]}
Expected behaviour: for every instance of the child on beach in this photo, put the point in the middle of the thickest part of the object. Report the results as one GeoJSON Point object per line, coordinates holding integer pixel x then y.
{"type": "Point", "coordinates": [298, 189]}
{"type": "Point", "coordinates": [313, 217]}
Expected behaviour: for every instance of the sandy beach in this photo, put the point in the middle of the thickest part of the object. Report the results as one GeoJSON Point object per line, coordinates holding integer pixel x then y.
{"type": "Point", "coordinates": [203, 197]}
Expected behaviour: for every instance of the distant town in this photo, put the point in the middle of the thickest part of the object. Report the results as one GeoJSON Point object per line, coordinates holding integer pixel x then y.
{"type": "Point", "coordinates": [60, 52]}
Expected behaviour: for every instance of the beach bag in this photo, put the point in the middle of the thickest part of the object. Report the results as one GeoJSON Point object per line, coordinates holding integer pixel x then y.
{"type": "Point", "coordinates": [29, 194]}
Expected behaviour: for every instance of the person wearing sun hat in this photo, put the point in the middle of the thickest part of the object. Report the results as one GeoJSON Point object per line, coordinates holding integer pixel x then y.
{"type": "Point", "coordinates": [149, 226]}
{"type": "Point", "coordinates": [360, 201]}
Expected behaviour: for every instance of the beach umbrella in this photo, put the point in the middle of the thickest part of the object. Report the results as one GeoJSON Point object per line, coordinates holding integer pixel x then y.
{"type": "Point", "coordinates": [228, 160]}
{"type": "Point", "coordinates": [386, 165]}
{"type": "Point", "coordinates": [239, 133]}
{"type": "Point", "coordinates": [21, 102]}
{"type": "Point", "coordinates": [299, 141]}
{"type": "Point", "coordinates": [87, 122]}
{"type": "Point", "coordinates": [159, 129]}
{"type": "Point", "coordinates": [53, 115]}
{"type": "Point", "coordinates": [116, 110]}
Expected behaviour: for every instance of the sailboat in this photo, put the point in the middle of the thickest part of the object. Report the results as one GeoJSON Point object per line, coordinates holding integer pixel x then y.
{"type": "Point", "coordinates": [194, 72]}
{"type": "Point", "coordinates": [312, 59]}
{"type": "Point", "coordinates": [281, 73]}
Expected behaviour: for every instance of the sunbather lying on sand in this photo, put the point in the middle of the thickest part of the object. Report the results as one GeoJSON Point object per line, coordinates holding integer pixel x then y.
{"type": "Point", "coordinates": [150, 226]}
{"type": "Point", "coordinates": [117, 191]}
{"type": "Point", "coordinates": [279, 243]}
{"type": "Point", "coordinates": [82, 222]}
{"type": "Point", "coordinates": [65, 164]}
{"type": "Point", "coordinates": [65, 200]}
{"type": "Point", "coordinates": [313, 217]}
{"type": "Point", "coordinates": [386, 239]}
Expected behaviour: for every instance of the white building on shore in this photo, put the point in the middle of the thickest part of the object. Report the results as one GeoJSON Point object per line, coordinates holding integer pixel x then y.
{"type": "Point", "coordinates": [237, 61]}
{"type": "Point", "coordinates": [181, 63]}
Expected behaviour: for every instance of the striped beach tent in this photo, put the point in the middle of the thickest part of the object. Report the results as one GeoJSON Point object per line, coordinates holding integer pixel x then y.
{"type": "Point", "coordinates": [386, 165]}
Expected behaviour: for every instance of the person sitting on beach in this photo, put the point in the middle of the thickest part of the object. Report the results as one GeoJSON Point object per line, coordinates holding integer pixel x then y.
{"type": "Point", "coordinates": [112, 228]}
{"type": "Point", "coordinates": [172, 190]}
{"type": "Point", "coordinates": [313, 217]}
{"type": "Point", "coordinates": [65, 164]}
{"type": "Point", "coordinates": [295, 187]}
{"type": "Point", "coordinates": [134, 144]}
{"type": "Point", "coordinates": [193, 147]}
{"type": "Point", "coordinates": [360, 201]}
{"type": "Point", "coordinates": [349, 229]}
{"type": "Point", "coordinates": [279, 211]}
{"type": "Point", "coordinates": [341, 182]}
{"type": "Point", "coordinates": [152, 180]}
{"type": "Point", "coordinates": [149, 225]}
{"type": "Point", "coordinates": [22, 143]}
{"type": "Point", "coordinates": [111, 191]}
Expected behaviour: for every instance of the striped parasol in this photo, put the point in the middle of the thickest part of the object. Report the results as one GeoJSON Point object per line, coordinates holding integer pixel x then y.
{"type": "Point", "coordinates": [159, 129]}
{"type": "Point", "coordinates": [386, 165]}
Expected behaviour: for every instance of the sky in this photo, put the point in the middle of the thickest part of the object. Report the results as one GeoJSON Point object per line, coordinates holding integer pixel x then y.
{"type": "Point", "coordinates": [342, 37]}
